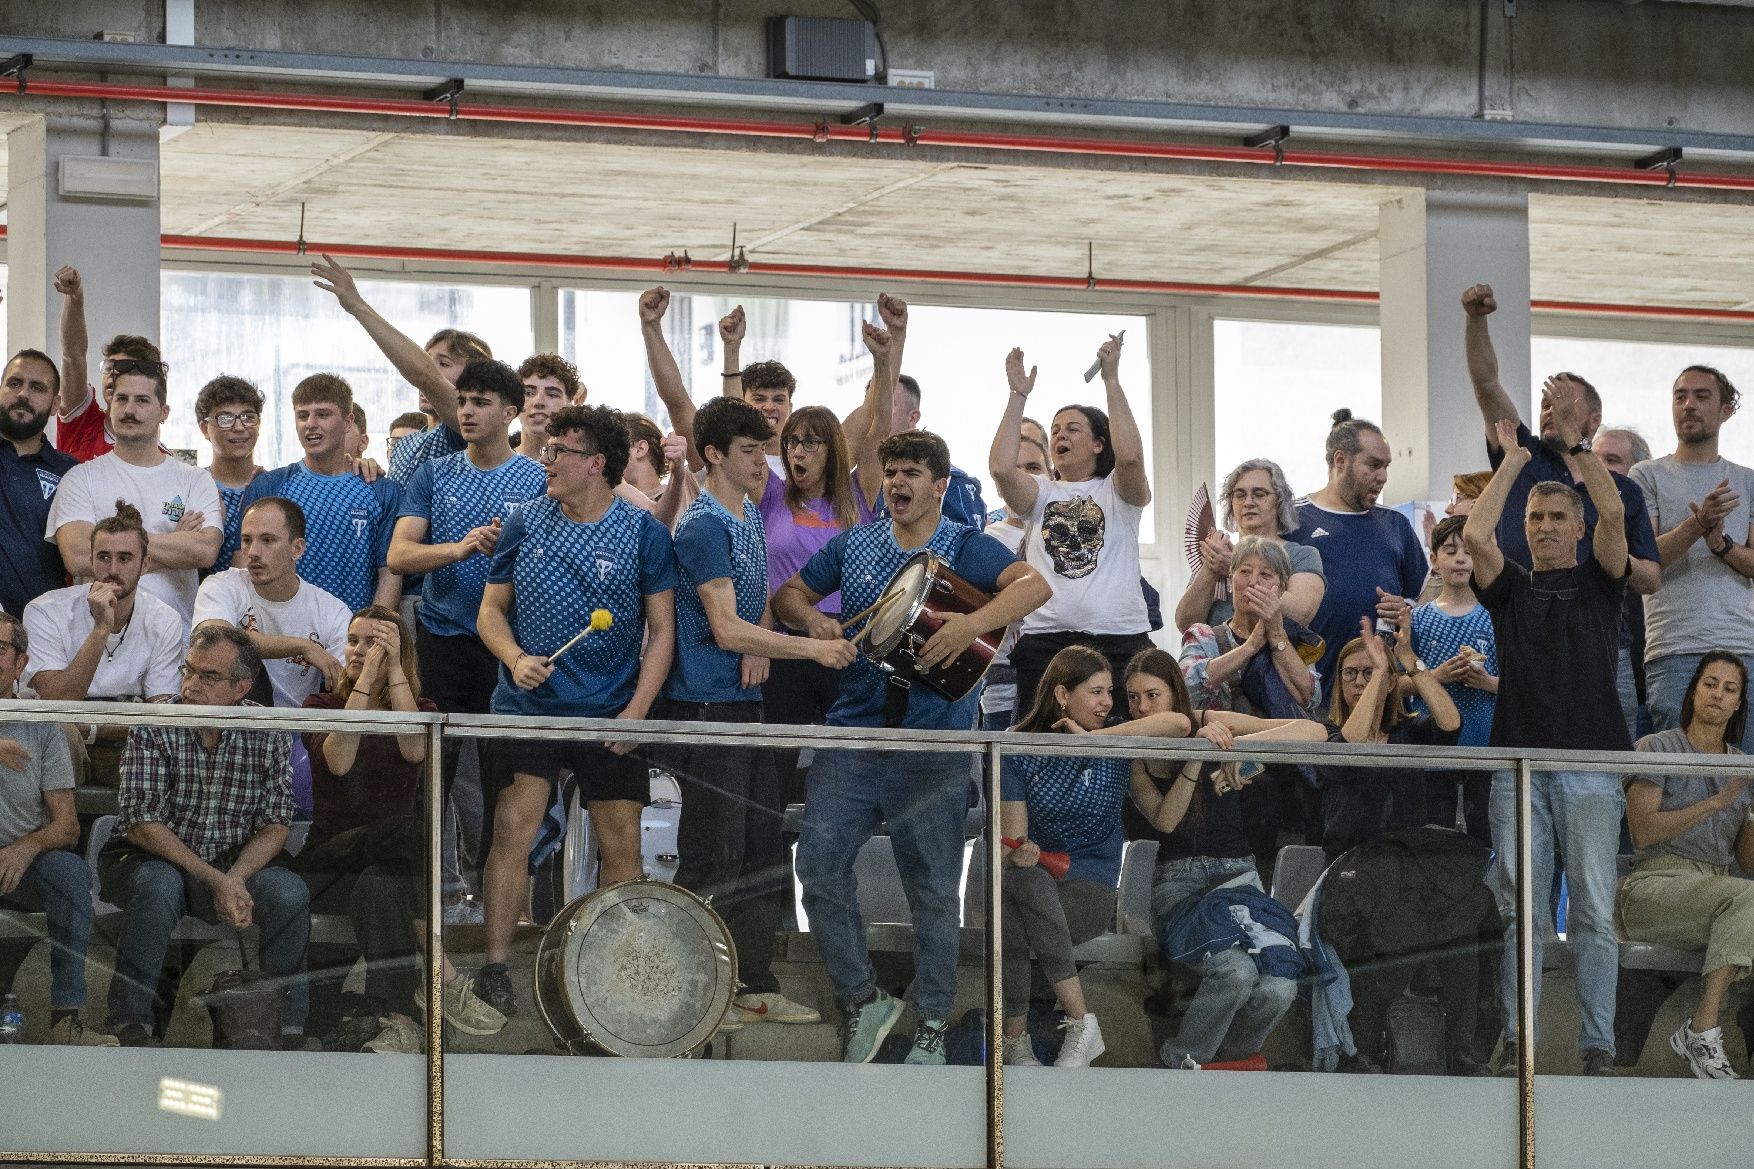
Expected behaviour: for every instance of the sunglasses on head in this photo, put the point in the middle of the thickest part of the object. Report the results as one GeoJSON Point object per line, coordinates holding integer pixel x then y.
{"type": "Point", "coordinates": [122, 365]}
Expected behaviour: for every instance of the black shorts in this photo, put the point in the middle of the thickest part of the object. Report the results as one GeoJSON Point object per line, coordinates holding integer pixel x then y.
{"type": "Point", "coordinates": [600, 773]}
{"type": "Point", "coordinates": [457, 673]}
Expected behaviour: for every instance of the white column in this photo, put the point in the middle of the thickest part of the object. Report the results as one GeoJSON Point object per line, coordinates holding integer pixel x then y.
{"type": "Point", "coordinates": [1434, 245]}
{"type": "Point", "coordinates": [113, 242]}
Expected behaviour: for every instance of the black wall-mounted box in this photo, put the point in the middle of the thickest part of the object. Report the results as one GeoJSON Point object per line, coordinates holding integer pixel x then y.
{"type": "Point", "coordinates": [821, 48]}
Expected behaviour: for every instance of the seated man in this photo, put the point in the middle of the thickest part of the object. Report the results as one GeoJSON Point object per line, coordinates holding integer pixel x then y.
{"type": "Point", "coordinates": [37, 828]}
{"type": "Point", "coordinates": [204, 816]}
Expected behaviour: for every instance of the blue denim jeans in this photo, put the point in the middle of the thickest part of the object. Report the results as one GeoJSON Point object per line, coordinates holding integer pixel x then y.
{"type": "Point", "coordinates": [58, 885]}
{"type": "Point", "coordinates": [159, 894]}
{"type": "Point", "coordinates": [921, 798]}
{"type": "Point", "coordinates": [1665, 688]}
{"type": "Point", "coordinates": [1575, 815]}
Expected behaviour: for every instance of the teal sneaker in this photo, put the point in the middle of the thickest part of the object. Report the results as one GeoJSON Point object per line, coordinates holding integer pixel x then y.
{"type": "Point", "coordinates": [928, 1042]}
{"type": "Point", "coordinates": [867, 1025]}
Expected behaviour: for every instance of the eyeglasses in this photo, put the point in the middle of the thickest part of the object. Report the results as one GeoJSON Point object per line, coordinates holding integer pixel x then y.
{"type": "Point", "coordinates": [229, 419]}
{"type": "Point", "coordinates": [808, 445]}
{"type": "Point", "coordinates": [205, 677]}
{"type": "Point", "coordinates": [1257, 493]}
{"type": "Point", "coordinates": [549, 452]}
{"type": "Point", "coordinates": [122, 365]}
{"type": "Point", "coordinates": [1357, 673]}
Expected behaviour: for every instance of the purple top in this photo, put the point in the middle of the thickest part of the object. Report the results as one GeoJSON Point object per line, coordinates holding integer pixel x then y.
{"type": "Point", "coordinates": [794, 537]}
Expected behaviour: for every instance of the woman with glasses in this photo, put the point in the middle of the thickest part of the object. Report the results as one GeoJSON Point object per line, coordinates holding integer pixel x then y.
{"type": "Point", "coordinates": [1255, 500]}
{"type": "Point", "coordinates": [366, 850]}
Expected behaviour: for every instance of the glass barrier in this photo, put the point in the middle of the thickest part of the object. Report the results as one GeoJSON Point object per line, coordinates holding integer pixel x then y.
{"type": "Point", "coordinates": [1293, 919]}
{"type": "Point", "coordinates": [234, 924]}
{"type": "Point", "coordinates": [771, 914]}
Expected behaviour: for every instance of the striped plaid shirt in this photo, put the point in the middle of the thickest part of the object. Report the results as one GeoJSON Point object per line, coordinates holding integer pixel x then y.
{"type": "Point", "coordinates": [213, 801]}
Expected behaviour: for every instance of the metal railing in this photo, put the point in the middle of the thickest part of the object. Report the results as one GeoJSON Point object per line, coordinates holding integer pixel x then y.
{"type": "Point", "coordinates": [992, 746]}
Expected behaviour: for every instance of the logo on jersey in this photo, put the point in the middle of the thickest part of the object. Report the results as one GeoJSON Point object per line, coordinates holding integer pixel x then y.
{"type": "Point", "coordinates": [173, 510]}
{"type": "Point", "coordinates": [1318, 533]}
{"type": "Point", "coordinates": [605, 563]}
{"type": "Point", "coordinates": [48, 482]}
{"type": "Point", "coordinates": [359, 517]}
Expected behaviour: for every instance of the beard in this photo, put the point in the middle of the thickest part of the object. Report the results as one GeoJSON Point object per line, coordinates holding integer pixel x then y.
{"type": "Point", "coordinates": [15, 430]}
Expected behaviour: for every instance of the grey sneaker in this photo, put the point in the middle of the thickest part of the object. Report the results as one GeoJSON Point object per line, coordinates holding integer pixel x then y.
{"type": "Point", "coordinates": [1597, 1062]}
{"type": "Point", "coordinates": [493, 986]}
{"type": "Point", "coordinates": [928, 1042]}
{"type": "Point", "coordinates": [1020, 1052]}
{"type": "Point", "coordinates": [1703, 1051]}
{"type": "Point", "coordinates": [867, 1025]}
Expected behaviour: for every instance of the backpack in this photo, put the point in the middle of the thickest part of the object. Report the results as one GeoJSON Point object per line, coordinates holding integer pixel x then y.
{"type": "Point", "coordinates": [1416, 1039]}
{"type": "Point", "coordinates": [245, 1006]}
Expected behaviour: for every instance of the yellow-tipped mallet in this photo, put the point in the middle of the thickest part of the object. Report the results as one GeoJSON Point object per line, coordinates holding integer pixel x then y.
{"type": "Point", "coordinates": [601, 619]}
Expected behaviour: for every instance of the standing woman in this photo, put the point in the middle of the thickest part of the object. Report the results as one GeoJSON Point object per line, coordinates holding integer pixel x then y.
{"type": "Point", "coordinates": [1255, 500]}
{"type": "Point", "coordinates": [366, 850]}
{"type": "Point", "coordinates": [1084, 524]}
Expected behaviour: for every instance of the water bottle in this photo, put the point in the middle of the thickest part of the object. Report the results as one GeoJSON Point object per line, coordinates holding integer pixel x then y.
{"type": "Point", "coordinates": [11, 1020]}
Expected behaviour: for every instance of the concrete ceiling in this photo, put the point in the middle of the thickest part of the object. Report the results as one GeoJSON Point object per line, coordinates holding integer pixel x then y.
{"type": "Point", "coordinates": [509, 194]}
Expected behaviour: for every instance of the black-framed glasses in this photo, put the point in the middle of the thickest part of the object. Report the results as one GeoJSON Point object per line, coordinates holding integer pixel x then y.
{"type": "Point", "coordinates": [551, 451]}
{"type": "Point", "coordinates": [808, 444]}
{"type": "Point", "coordinates": [122, 365]}
{"type": "Point", "coordinates": [229, 419]}
{"type": "Point", "coordinates": [205, 677]}
{"type": "Point", "coordinates": [1357, 673]}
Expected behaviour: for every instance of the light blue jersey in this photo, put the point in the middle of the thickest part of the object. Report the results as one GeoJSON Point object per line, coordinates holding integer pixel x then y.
{"type": "Point", "coordinates": [454, 497]}
{"type": "Point", "coordinates": [712, 544]}
{"type": "Point", "coordinates": [348, 523]}
{"type": "Point", "coordinates": [417, 449]}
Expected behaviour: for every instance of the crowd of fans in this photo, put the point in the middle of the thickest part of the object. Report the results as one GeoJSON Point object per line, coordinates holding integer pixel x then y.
{"type": "Point", "coordinates": [1580, 595]}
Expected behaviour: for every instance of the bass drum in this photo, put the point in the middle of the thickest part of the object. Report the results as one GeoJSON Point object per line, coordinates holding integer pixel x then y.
{"type": "Point", "coordinates": [640, 968]}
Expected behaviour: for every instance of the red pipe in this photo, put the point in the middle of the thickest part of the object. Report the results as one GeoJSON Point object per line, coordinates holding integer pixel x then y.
{"type": "Point", "coordinates": [584, 263]}
{"type": "Point", "coordinates": [825, 131]}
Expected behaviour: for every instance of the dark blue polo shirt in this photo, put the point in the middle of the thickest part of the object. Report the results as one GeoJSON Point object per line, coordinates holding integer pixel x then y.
{"type": "Point", "coordinates": [1545, 464]}
{"type": "Point", "coordinates": [31, 565]}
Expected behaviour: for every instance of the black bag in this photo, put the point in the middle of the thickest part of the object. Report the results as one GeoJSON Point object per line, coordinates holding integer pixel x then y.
{"type": "Point", "coordinates": [246, 1007]}
{"type": "Point", "coordinates": [1416, 1037]}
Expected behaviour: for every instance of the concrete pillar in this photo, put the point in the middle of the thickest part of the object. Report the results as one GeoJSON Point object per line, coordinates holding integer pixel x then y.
{"type": "Point", "coordinates": [113, 242]}
{"type": "Point", "coordinates": [1434, 245]}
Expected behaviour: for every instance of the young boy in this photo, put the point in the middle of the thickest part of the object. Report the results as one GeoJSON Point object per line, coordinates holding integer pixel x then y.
{"type": "Point", "coordinates": [1455, 630]}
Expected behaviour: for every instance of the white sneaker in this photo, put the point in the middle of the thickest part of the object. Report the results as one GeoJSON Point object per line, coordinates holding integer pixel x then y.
{"type": "Point", "coordinates": [1703, 1051]}
{"type": "Point", "coordinates": [771, 1007]}
{"type": "Point", "coordinates": [1082, 1044]}
{"type": "Point", "coordinates": [1020, 1052]}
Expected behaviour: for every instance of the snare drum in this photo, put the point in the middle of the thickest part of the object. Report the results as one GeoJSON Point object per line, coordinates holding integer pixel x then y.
{"type": "Point", "coordinates": [926, 594]}
{"type": "Point", "coordinates": [640, 968]}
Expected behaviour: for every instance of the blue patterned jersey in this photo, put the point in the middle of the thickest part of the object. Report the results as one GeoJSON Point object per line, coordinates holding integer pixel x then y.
{"type": "Point", "coordinates": [454, 497]}
{"type": "Point", "coordinates": [347, 526]}
{"type": "Point", "coordinates": [233, 498]}
{"type": "Point", "coordinates": [416, 449]}
{"type": "Point", "coordinates": [860, 563]}
{"type": "Point", "coordinates": [1074, 807]}
{"type": "Point", "coordinates": [712, 544]}
{"type": "Point", "coordinates": [1437, 637]}
{"type": "Point", "coordinates": [559, 571]}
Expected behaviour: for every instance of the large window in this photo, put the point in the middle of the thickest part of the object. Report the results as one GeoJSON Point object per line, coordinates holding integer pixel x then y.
{"type": "Point", "coordinates": [276, 330]}
{"type": "Point", "coordinates": [957, 354]}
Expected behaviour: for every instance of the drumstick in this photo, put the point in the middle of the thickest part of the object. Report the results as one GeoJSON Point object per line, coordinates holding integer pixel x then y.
{"type": "Point", "coordinates": [600, 619]}
{"type": "Point", "coordinates": [889, 595]}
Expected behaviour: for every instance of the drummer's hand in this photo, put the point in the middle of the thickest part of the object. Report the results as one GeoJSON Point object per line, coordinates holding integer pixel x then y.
{"type": "Point", "coordinates": [623, 746]}
{"type": "Point", "coordinates": [531, 671]}
{"type": "Point", "coordinates": [954, 636]}
{"type": "Point", "coordinates": [822, 626]}
{"type": "Point", "coordinates": [754, 670]}
{"type": "Point", "coordinates": [836, 655]}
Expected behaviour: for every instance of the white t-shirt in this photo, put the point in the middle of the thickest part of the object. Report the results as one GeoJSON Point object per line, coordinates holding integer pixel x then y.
{"type": "Point", "coordinates": [1084, 538]}
{"type": "Point", "coordinates": [164, 494]}
{"type": "Point", "coordinates": [138, 662]}
{"type": "Point", "coordinates": [313, 614]}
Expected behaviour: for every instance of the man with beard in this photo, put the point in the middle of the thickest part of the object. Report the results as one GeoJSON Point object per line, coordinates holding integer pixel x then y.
{"type": "Point", "coordinates": [1371, 555]}
{"type": "Point", "coordinates": [178, 504]}
{"type": "Point", "coordinates": [1700, 511]}
{"type": "Point", "coordinates": [30, 473]}
{"type": "Point", "coordinates": [922, 798]}
{"type": "Point", "coordinates": [348, 521]}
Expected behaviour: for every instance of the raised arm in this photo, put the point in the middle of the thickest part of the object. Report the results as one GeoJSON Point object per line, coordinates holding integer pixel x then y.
{"type": "Point", "coordinates": [666, 375]}
{"type": "Point", "coordinates": [681, 487]}
{"type": "Point", "coordinates": [1495, 405]}
{"type": "Point", "coordinates": [1480, 533]}
{"type": "Point", "coordinates": [732, 328]}
{"type": "Point", "coordinates": [75, 372]}
{"type": "Point", "coordinates": [1016, 487]}
{"type": "Point", "coordinates": [1132, 484]}
{"type": "Point", "coordinates": [403, 352]}
{"type": "Point", "coordinates": [875, 415]}
{"type": "Point", "coordinates": [1564, 398]}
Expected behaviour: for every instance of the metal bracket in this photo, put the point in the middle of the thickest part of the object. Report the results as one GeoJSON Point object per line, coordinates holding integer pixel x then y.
{"type": "Point", "coordinates": [1273, 136]}
{"type": "Point", "coordinates": [14, 66]}
{"type": "Point", "coordinates": [910, 134]}
{"type": "Point", "coordinates": [820, 134]}
{"type": "Point", "coordinates": [446, 91]}
{"type": "Point", "coordinates": [1090, 266]}
{"type": "Point", "coordinates": [301, 229]}
{"type": "Point", "coordinates": [675, 263]}
{"type": "Point", "coordinates": [1666, 159]}
{"type": "Point", "coordinates": [739, 261]}
{"type": "Point", "coordinates": [866, 115]}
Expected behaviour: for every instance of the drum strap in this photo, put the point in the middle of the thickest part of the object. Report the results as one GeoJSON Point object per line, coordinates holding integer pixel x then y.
{"type": "Point", "coordinates": [897, 690]}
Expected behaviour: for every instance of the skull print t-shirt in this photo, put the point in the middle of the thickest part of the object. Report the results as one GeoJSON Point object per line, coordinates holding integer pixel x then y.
{"type": "Point", "coordinates": [1084, 538]}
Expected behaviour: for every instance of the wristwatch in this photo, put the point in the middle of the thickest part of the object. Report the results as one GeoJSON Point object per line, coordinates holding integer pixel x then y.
{"type": "Point", "coordinates": [1280, 646]}
{"type": "Point", "coordinates": [1583, 447]}
{"type": "Point", "coordinates": [1729, 546]}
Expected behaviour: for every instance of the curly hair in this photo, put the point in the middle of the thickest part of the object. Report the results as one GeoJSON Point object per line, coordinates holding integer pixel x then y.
{"type": "Point", "coordinates": [605, 430]}
{"type": "Point", "coordinates": [555, 366]}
